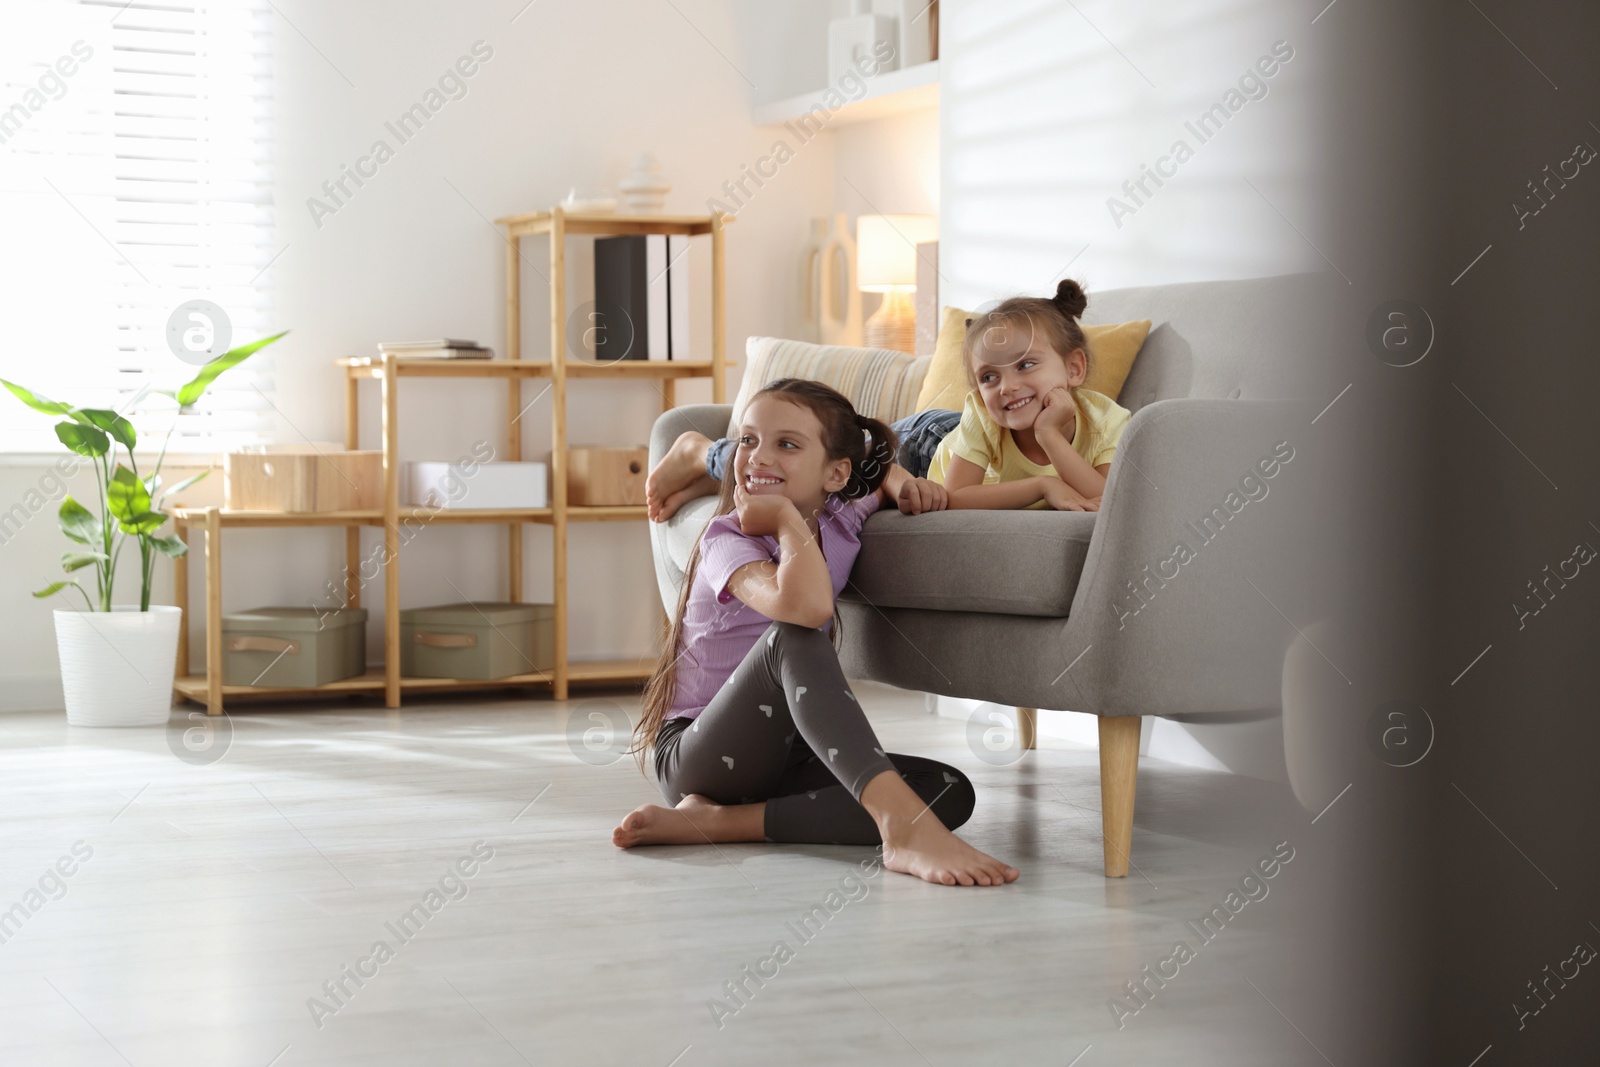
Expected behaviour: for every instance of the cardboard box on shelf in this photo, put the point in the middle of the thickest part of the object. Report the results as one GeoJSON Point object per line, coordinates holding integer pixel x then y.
{"type": "Point", "coordinates": [606, 477]}
{"type": "Point", "coordinates": [300, 478]}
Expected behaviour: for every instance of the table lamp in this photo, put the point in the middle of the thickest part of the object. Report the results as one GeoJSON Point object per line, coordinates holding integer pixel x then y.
{"type": "Point", "coordinates": [886, 262]}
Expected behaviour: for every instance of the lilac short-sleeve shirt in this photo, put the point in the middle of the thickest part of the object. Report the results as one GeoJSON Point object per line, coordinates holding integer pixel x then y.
{"type": "Point", "coordinates": [718, 628]}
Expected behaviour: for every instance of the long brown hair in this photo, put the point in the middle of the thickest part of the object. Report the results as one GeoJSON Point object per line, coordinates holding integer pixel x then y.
{"type": "Point", "coordinates": [866, 442]}
{"type": "Point", "coordinates": [1053, 318]}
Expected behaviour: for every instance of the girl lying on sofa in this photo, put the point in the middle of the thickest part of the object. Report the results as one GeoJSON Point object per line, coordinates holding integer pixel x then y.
{"type": "Point", "coordinates": [756, 733]}
{"type": "Point", "coordinates": [1030, 435]}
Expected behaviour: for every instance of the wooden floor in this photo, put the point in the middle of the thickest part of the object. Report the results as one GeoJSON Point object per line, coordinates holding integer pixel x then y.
{"type": "Point", "coordinates": [218, 898]}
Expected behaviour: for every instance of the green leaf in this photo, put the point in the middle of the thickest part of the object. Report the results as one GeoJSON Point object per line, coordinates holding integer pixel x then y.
{"type": "Point", "coordinates": [126, 496]}
{"type": "Point", "coordinates": [72, 561]}
{"type": "Point", "coordinates": [79, 524]}
{"type": "Point", "coordinates": [186, 483]}
{"type": "Point", "coordinates": [170, 545]}
{"type": "Point", "coordinates": [193, 390]}
{"type": "Point", "coordinates": [140, 525]}
{"type": "Point", "coordinates": [36, 402]}
{"type": "Point", "coordinates": [84, 440]}
{"type": "Point", "coordinates": [117, 426]}
{"type": "Point", "coordinates": [67, 583]}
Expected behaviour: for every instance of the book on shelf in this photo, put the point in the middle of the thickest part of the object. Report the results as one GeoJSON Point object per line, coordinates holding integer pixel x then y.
{"type": "Point", "coordinates": [678, 296]}
{"type": "Point", "coordinates": [641, 287]}
{"type": "Point", "coordinates": [444, 348]}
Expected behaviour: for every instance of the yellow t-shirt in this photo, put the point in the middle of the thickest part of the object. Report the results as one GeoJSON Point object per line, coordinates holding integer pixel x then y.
{"type": "Point", "coordinates": [979, 439]}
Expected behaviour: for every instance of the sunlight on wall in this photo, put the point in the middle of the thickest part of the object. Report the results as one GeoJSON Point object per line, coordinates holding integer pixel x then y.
{"type": "Point", "coordinates": [1053, 115]}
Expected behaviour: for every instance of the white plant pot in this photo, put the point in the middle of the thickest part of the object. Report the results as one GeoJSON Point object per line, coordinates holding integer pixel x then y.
{"type": "Point", "coordinates": [117, 666]}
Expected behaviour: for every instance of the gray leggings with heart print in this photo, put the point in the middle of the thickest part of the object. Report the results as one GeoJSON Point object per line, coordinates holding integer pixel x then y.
{"type": "Point", "coordinates": [785, 729]}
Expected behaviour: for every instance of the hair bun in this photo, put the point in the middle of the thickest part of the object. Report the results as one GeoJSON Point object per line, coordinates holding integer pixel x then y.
{"type": "Point", "coordinates": [1070, 298]}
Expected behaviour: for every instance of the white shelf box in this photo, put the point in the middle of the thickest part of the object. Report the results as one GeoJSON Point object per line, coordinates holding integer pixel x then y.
{"type": "Point", "coordinates": [500, 485]}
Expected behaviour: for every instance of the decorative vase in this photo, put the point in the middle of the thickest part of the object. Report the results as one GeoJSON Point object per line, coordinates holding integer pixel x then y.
{"type": "Point", "coordinates": [643, 192]}
{"type": "Point", "coordinates": [919, 31]}
{"type": "Point", "coordinates": [811, 278]}
{"type": "Point", "coordinates": [853, 43]}
{"type": "Point", "coordinates": [117, 666]}
{"type": "Point", "coordinates": [841, 300]}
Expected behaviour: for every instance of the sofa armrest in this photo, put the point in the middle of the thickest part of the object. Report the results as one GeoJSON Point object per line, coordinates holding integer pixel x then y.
{"type": "Point", "coordinates": [672, 541]}
{"type": "Point", "coordinates": [709, 419]}
{"type": "Point", "coordinates": [1193, 538]}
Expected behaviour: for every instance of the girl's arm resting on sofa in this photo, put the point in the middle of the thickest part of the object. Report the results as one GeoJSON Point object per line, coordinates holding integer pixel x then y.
{"type": "Point", "coordinates": [797, 589]}
{"type": "Point", "coordinates": [911, 495]}
{"type": "Point", "coordinates": [963, 481]}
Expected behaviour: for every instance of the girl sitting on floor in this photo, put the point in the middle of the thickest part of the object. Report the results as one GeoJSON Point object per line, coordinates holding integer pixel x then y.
{"type": "Point", "coordinates": [1030, 435]}
{"type": "Point", "coordinates": [757, 735]}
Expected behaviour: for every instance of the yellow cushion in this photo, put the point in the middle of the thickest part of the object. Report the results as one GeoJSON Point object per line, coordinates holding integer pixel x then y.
{"type": "Point", "coordinates": [879, 382]}
{"type": "Point", "coordinates": [1112, 349]}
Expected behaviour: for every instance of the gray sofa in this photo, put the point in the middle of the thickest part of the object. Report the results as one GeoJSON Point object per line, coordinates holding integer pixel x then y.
{"type": "Point", "coordinates": [1104, 613]}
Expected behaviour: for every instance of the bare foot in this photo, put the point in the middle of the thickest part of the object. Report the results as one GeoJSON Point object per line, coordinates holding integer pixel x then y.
{"type": "Point", "coordinates": [697, 820]}
{"type": "Point", "coordinates": [915, 842]}
{"type": "Point", "coordinates": [681, 468]}
{"type": "Point", "coordinates": [925, 849]}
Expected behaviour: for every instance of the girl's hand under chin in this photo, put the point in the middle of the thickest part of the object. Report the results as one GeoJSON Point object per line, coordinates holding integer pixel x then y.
{"type": "Point", "coordinates": [763, 515]}
{"type": "Point", "coordinates": [1059, 412]}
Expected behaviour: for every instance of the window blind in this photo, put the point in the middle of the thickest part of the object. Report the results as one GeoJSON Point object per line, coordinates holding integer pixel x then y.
{"type": "Point", "coordinates": [135, 174]}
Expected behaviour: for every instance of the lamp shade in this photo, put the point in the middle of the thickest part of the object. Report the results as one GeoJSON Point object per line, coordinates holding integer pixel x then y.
{"type": "Point", "coordinates": [886, 250]}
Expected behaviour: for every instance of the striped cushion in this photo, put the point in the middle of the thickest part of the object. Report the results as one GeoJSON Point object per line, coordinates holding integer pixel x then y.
{"type": "Point", "coordinates": [879, 382]}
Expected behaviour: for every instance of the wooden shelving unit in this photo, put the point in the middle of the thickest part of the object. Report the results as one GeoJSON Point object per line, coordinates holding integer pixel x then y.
{"type": "Point", "coordinates": [514, 370]}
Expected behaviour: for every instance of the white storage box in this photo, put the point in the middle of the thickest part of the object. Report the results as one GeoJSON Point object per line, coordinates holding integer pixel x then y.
{"type": "Point", "coordinates": [488, 485]}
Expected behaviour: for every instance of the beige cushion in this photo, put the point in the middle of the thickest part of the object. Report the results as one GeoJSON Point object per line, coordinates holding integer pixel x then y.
{"type": "Point", "coordinates": [1112, 349]}
{"type": "Point", "coordinates": [879, 382]}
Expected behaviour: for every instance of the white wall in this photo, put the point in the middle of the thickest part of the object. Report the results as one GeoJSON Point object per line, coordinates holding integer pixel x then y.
{"type": "Point", "coordinates": [784, 46]}
{"type": "Point", "coordinates": [888, 166]}
{"type": "Point", "coordinates": [1043, 119]}
{"type": "Point", "coordinates": [864, 183]}
{"type": "Point", "coordinates": [571, 93]}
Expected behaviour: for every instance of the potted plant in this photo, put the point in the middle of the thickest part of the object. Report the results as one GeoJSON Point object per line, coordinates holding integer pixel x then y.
{"type": "Point", "coordinates": [118, 660]}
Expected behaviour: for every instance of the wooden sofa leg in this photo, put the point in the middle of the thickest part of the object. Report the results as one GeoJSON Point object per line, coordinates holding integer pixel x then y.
{"type": "Point", "coordinates": [1028, 727]}
{"type": "Point", "coordinates": [1119, 777]}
